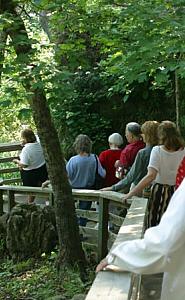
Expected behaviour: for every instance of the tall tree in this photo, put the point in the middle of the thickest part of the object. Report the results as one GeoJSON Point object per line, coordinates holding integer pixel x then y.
{"type": "Point", "coordinates": [70, 250]}
{"type": "Point", "coordinates": [152, 49]}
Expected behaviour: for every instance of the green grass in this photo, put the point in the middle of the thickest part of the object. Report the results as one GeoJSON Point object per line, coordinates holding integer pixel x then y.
{"type": "Point", "coordinates": [37, 280]}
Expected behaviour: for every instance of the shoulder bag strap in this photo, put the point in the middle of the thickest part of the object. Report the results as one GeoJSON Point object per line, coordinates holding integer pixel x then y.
{"type": "Point", "coordinates": [96, 163]}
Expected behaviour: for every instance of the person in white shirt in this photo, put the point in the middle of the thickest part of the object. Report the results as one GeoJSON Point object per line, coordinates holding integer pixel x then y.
{"type": "Point", "coordinates": [31, 163]}
{"type": "Point", "coordinates": [161, 250]}
{"type": "Point", "coordinates": [162, 171]}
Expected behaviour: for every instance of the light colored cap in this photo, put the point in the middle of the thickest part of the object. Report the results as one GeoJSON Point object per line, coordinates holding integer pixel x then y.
{"type": "Point", "coordinates": [116, 139]}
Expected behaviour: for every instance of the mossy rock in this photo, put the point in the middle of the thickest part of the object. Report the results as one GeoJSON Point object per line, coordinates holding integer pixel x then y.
{"type": "Point", "coordinates": [31, 231]}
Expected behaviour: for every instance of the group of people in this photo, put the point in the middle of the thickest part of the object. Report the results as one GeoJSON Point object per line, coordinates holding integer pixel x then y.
{"type": "Point", "coordinates": [153, 158]}
{"type": "Point", "coordinates": [163, 245]}
{"type": "Point", "coordinates": [150, 159]}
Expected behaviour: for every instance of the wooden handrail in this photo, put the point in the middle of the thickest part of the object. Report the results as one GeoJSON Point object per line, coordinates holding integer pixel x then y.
{"type": "Point", "coordinates": [107, 285]}
{"type": "Point", "coordinates": [119, 285]}
{"type": "Point", "coordinates": [7, 147]}
{"type": "Point", "coordinates": [5, 170]}
{"type": "Point", "coordinates": [9, 170]}
{"type": "Point", "coordinates": [90, 195]}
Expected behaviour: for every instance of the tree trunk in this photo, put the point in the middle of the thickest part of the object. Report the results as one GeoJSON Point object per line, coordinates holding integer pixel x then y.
{"type": "Point", "coordinates": [70, 249]}
{"type": "Point", "coordinates": [3, 39]}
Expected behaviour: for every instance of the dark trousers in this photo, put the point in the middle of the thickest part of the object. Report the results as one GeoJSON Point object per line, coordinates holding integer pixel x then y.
{"type": "Point", "coordinates": [85, 205]}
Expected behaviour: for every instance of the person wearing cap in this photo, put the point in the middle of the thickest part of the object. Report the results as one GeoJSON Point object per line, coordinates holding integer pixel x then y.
{"type": "Point", "coordinates": [108, 158]}
{"type": "Point", "coordinates": [128, 154]}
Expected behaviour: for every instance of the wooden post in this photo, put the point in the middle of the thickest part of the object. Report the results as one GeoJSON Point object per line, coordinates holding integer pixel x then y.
{"type": "Point", "coordinates": [11, 200]}
{"type": "Point", "coordinates": [103, 227]}
{"type": "Point", "coordinates": [1, 202]}
{"type": "Point", "coordinates": [51, 199]}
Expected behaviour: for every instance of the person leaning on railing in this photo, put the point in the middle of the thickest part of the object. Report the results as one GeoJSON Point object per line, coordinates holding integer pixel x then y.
{"type": "Point", "coordinates": [161, 250]}
{"type": "Point", "coordinates": [31, 163]}
{"type": "Point", "coordinates": [139, 168]}
{"type": "Point", "coordinates": [162, 170]}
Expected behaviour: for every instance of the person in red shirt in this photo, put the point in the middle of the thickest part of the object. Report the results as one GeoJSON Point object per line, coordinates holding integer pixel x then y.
{"type": "Point", "coordinates": [180, 173]}
{"type": "Point", "coordinates": [108, 158]}
{"type": "Point", "coordinates": [128, 154]}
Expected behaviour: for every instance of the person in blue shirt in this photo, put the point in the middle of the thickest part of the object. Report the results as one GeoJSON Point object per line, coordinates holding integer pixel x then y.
{"type": "Point", "coordinates": [81, 169]}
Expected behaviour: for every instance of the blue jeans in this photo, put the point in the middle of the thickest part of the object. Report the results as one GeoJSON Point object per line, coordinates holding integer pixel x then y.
{"type": "Point", "coordinates": [85, 205]}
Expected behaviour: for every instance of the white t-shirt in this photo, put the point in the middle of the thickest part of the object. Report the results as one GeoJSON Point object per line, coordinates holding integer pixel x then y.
{"type": "Point", "coordinates": [32, 156]}
{"type": "Point", "coordinates": [166, 163]}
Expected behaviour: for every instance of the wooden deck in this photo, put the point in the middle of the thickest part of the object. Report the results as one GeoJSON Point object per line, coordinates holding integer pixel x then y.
{"type": "Point", "coordinates": [150, 284]}
{"type": "Point", "coordinates": [151, 287]}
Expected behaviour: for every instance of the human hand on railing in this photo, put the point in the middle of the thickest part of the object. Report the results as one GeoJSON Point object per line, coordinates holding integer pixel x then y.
{"type": "Point", "coordinates": [102, 265]}
{"type": "Point", "coordinates": [16, 161]}
{"type": "Point", "coordinates": [45, 184]}
{"type": "Point", "coordinates": [109, 188]}
{"type": "Point", "coordinates": [126, 197]}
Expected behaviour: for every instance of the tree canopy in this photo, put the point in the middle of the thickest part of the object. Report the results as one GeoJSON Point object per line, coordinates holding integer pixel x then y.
{"type": "Point", "coordinates": [92, 57]}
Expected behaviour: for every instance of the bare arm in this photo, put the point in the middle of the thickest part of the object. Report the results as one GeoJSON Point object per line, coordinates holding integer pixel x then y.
{"type": "Point", "coordinates": [20, 165]}
{"type": "Point", "coordinates": [45, 183]}
{"type": "Point", "coordinates": [147, 180]}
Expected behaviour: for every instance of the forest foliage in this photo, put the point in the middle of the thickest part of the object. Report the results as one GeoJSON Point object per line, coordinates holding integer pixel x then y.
{"type": "Point", "coordinates": [101, 64]}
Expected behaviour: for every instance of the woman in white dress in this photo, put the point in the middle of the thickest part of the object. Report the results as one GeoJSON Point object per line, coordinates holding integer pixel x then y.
{"type": "Point", "coordinates": [161, 250]}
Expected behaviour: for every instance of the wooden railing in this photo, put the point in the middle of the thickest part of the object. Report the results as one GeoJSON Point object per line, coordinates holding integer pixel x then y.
{"type": "Point", "coordinates": [9, 195]}
{"type": "Point", "coordinates": [111, 285]}
{"type": "Point", "coordinates": [107, 285]}
{"type": "Point", "coordinates": [8, 152]}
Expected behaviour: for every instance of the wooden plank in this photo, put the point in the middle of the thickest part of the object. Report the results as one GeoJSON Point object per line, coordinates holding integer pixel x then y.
{"type": "Point", "coordinates": [117, 220]}
{"type": "Point", "coordinates": [118, 285]}
{"type": "Point", "coordinates": [91, 247]}
{"type": "Point", "coordinates": [11, 200]}
{"type": "Point", "coordinates": [85, 198]}
{"type": "Point", "coordinates": [88, 193]}
{"type": "Point", "coordinates": [114, 196]}
{"type": "Point", "coordinates": [1, 203]}
{"type": "Point", "coordinates": [6, 147]}
{"type": "Point", "coordinates": [9, 170]}
{"type": "Point", "coordinates": [11, 180]}
{"type": "Point", "coordinates": [110, 195]}
{"type": "Point", "coordinates": [133, 225]}
{"type": "Point", "coordinates": [89, 214]}
{"type": "Point", "coordinates": [85, 195]}
{"type": "Point", "coordinates": [110, 286]}
{"type": "Point", "coordinates": [90, 233]}
{"type": "Point", "coordinates": [112, 238]}
{"type": "Point", "coordinates": [103, 227]}
{"type": "Point", "coordinates": [26, 189]}
{"type": "Point", "coordinates": [8, 159]}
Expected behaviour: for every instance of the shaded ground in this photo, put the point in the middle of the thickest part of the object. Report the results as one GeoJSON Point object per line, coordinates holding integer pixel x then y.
{"type": "Point", "coordinates": [151, 287]}
{"type": "Point", "coordinates": [150, 284]}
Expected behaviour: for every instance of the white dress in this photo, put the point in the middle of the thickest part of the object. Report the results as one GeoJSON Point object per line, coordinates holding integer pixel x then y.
{"type": "Point", "coordinates": [161, 250]}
